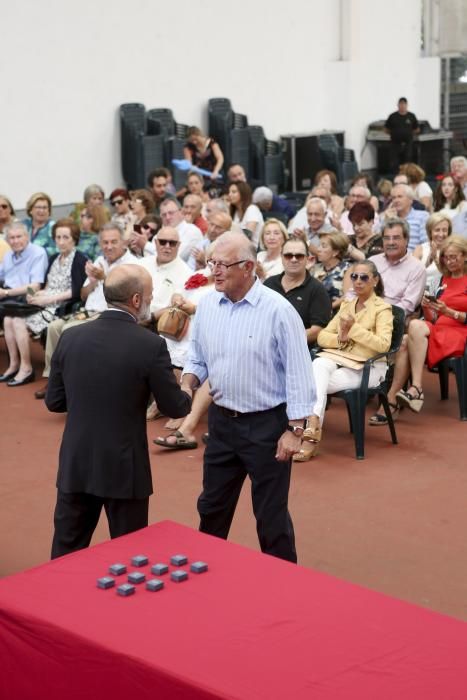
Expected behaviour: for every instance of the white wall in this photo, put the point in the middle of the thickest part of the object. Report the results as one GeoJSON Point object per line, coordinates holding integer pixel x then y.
{"type": "Point", "coordinates": [68, 65]}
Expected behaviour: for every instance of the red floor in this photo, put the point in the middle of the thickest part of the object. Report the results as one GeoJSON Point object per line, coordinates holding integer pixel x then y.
{"type": "Point", "coordinates": [395, 522]}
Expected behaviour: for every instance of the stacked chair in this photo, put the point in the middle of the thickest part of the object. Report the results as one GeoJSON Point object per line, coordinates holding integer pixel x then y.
{"type": "Point", "coordinates": [340, 160]}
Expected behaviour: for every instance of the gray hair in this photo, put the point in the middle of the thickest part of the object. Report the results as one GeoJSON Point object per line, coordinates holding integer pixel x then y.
{"type": "Point", "coordinates": [15, 226]}
{"type": "Point", "coordinates": [220, 205]}
{"type": "Point", "coordinates": [458, 159]}
{"type": "Point", "coordinates": [366, 191]}
{"type": "Point", "coordinates": [396, 221]}
{"type": "Point", "coordinates": [408, 191]}
{"type": "Point", "coordinates": [113, 226]}
{"type": "Point", "coordinates": [92, 189]}
{"type": "Point", "coordinates": [316, 200]}
{"type": "Point", "coordinates": [262, 194]}
{"type": "Point", "coordinates": [245, 248]}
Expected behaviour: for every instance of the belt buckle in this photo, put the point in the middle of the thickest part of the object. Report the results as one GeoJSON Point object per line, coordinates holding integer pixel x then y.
{"type": "Point", "coordinates": [234, 414]}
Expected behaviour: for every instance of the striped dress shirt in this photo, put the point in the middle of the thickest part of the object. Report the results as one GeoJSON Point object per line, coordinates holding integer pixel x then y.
{"type": "Point", "coordinates": [253, 351]}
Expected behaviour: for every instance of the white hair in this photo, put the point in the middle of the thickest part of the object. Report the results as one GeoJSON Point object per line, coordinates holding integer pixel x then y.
{"type": "Point", "coordinates": [458, 159]}
{"type": "Point", "coordinates": [408, 191]}
{"type": "Point", "coordinates": [315, 200]}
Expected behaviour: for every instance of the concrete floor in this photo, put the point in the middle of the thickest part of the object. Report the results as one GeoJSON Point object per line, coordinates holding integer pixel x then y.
{"type": "Point", "coordinates": [395, 522]}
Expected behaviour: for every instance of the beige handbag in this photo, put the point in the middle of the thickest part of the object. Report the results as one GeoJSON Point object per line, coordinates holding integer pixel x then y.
{"type": "Point", "coordinates": [173, 323]}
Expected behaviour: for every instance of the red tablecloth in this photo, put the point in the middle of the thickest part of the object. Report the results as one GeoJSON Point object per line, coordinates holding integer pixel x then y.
{"type": "Point", "coordinates": [251, 627]}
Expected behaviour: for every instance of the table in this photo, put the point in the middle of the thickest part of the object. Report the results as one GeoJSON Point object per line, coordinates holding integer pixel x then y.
{"type": "Point", "coordinates": [251, 627]}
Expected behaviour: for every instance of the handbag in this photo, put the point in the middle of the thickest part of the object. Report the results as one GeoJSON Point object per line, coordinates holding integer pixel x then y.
{"type": "Point", "coordinates": [343, 358]}
{"type": "Point", "coordinates": [173, 323]}
{"type": "Point", "coordinates": [18, 309]}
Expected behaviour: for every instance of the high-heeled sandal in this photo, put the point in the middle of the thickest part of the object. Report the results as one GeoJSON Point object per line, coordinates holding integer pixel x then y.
{"type": "Point", "coordinates": [310, 443]}
{"type": "Point", "coordinates": [380, 418]}
{"type": "Point", "coordinates": [414, 402]}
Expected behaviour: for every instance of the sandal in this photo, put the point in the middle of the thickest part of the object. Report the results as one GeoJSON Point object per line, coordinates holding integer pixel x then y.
{"type": "Point", "coordinates": [181, 442]}
{"type": "Point", "coordinates": [414, 402]}
{"type": "Point", "coordinates": [381, 419]}
{"type": "Point", "coordinates": [309, 450]}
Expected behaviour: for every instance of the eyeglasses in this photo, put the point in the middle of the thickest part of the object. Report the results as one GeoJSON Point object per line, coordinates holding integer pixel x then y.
{"type": "Point", "coordinates": [4, 206]}
{"type": "Point", "coordinates": [354, 276]}
{"type": "Point", "coordinates": [116, 201]}
{"type": "Point", "coordinates": [297, 256]}
{"type": "Point", "coordinates": [165, 241]}
{"type": "Point", "coordinates": [452, 257]}
{"type": "Point", "coordinates": [221, 265]}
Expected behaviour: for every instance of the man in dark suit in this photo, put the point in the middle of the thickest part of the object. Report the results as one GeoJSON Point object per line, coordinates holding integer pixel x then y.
{"type": "Point", "coordinates": [103, 374]}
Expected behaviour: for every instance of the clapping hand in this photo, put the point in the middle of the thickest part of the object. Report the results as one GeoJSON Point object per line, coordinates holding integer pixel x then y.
{"type": "Point", "coordinates": [94, 272]}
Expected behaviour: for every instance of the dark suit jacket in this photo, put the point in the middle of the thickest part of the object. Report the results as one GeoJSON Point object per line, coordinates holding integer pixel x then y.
{"type": "Point", "coordinates": [103, 373]}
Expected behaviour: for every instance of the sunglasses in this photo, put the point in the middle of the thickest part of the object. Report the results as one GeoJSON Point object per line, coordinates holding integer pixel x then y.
{"type": "Point", "coordinates": [354, 276]}
{"type": "Point", "coordinates": [297, 256]}
{"type": "Point", "coordinates": [116, 201]}
{"type": "Point", "coordinates": [165, 241]}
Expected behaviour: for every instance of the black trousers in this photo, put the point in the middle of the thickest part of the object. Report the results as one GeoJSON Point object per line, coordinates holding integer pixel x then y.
{"type": "Point", "coordinates": [401, 153]}
{"type": "Point", "coordinates": [77, 514]}
{"type": "Point", "coordinates": [241, 446]}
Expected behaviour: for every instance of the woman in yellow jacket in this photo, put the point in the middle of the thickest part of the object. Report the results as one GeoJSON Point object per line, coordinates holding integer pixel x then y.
{"type": "Point", "coordinates": [362, 328]}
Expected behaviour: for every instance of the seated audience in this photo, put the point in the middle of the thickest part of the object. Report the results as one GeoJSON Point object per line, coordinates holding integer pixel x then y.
{"type": "Point", "coordinates": [365, 241]}
{"type": "Point", "coordinates": [449, 198]}
{"type": "Point", "coordinates": [219, 222]}
{"type": "Point", "coordinates": [364, 180]}
{"type": "Point", "coordinates": [272, 238]}
{"type": "Point", "coordinates": [270, 204]}
{"type": "Point", "coordinates": [402, 207]}
{"type": "Point", "coordinates": [141, 204]}
{"type": "Point", "coordinates": [236, 173]}
{"type": "Point", "coordinates": [361, 328]}
{"type": "Point", "coordinates": [195, 185]}
{"type": "Point", "coordinates": [458, 166]}
{"type": "Point", "coordinates": [39, 222]}
{"type": "Point", "coordinates": [140, 242]}
{"type": "Point", "coordinates": [357, 194]}
{"type": "Point", "coordinates": [203, 152]}
{"type": "Point", "coordinates": [189, 234]}
{"type": "Point", "coordinates": [91, 222]}
{"type": "Point", "coordinates": [242, 210]}
{"type": "Point", "coordinates": [7, 215]}
{"type": "Point", "coordinates": [114, 252]}
{"type": "Point", "coordinates": [327, 179]}
{"type": "Point", "coordinates": [308, 296]}
{"type": "Point", "coordinates": [384, 188]}
{"type": "Point", "coordinates": [438, 228]}
{"type": "Point", "coordinates": [22, 270]}
{"type": "Point", "coordinates": [332, 268]}
{"type": "Point", "coordinates": [443, 332]}
{"type": "Point", "coordinates": [159, 187]}
{"type": "Point", "coordinates": [120, 201]}
{"type": "Point", "coordinates": [403, 275]}
{"type": "Point", "coordinates": [192, 206]}
{"type": "Point", "coordinates": [93, 197]}
{"type": "Point", "coordinates": [416, 179]}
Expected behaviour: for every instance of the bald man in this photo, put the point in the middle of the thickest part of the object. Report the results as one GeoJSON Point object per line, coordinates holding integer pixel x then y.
{"type": "Point", "coordinates": [103, 374]}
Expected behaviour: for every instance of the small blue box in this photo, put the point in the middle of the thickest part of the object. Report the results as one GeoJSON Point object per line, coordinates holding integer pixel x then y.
{"type": "Point", "coordinates": [199, 567]}
{"type": "Point", "coordinates": [117, 569]}
{"type": "Point", "coordinates": [154, 584]}
{"type": "Point", "coordinates": [178, 560]}
{"type": "Point", "coordinates": [106, 582]}
{"type": "Point", "coordinates": [179, 575]}
{"type": "Point", "coordinates": [126, 589]}
{"type": "Point", "coordinates": [136, 577]}
{"type": "Point", "coordinates": [139, 560]}
{"type": "Point", "coordinates": [159, 569]}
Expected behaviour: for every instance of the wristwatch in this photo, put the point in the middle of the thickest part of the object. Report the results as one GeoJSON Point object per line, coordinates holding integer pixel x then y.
{"type": "Point", "coordinates": [456, 315]}
{"type": "Point", "coordinates": [297, 429]}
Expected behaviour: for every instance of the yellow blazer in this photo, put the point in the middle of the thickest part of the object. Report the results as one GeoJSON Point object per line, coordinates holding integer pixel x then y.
{"type": "Point", "coordinates": [370, 334]}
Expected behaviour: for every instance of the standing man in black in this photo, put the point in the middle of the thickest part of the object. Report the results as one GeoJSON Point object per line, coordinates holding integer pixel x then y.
{"type": "Point", "coordinates": [103, 374]}
{"type": "Point", "coordinates": [306, 294]}
{"type": "Point", "coordinates": [401, 126]}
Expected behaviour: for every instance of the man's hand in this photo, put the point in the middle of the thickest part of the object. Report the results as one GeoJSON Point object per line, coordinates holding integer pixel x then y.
{"type": "Point", "coordinates": [94, 272]}
{"type": "Point", "coordinates": [288, 445]}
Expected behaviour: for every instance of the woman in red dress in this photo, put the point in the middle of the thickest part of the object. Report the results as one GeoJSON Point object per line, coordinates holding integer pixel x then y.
{"type": "Point", "coordinates": [443, 333]}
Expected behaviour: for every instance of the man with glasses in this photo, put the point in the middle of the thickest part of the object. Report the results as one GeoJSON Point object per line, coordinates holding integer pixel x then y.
{"type": "Point", "coordinates": [168, 271]}
{"type": "Point", "coordinates": [306, 294]}
{"type": "Point", "coordinates": [190, 235]}
{"type": "Point", "coordinates": [252, 346]}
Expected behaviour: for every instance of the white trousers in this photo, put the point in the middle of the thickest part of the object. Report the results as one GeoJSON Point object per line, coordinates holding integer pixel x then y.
{"type": "Point", "coordinates": [329, 378]}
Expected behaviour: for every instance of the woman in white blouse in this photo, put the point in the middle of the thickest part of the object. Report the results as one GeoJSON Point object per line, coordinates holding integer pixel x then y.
{"type": "Point", "coordinates": [449, 198]}
{"type": "Point", "coordinates": [438, 228]}
{"type": "Point", "coordinates": [272, 238]}
{"type": "Point", "coordinates": [242, 211]}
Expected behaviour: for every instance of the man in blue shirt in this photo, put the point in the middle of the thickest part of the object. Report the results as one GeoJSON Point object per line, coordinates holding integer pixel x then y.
{"type": "Point", "coordinates": [401, 206]}
{"type": "Point", "coordinates": [25, 265]}
{"type": "Point", "coordinates": [251, 344]}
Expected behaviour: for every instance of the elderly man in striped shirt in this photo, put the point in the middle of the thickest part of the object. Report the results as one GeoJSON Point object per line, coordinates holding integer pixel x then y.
{"type": "Point", "coordinates": [250, 342]}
